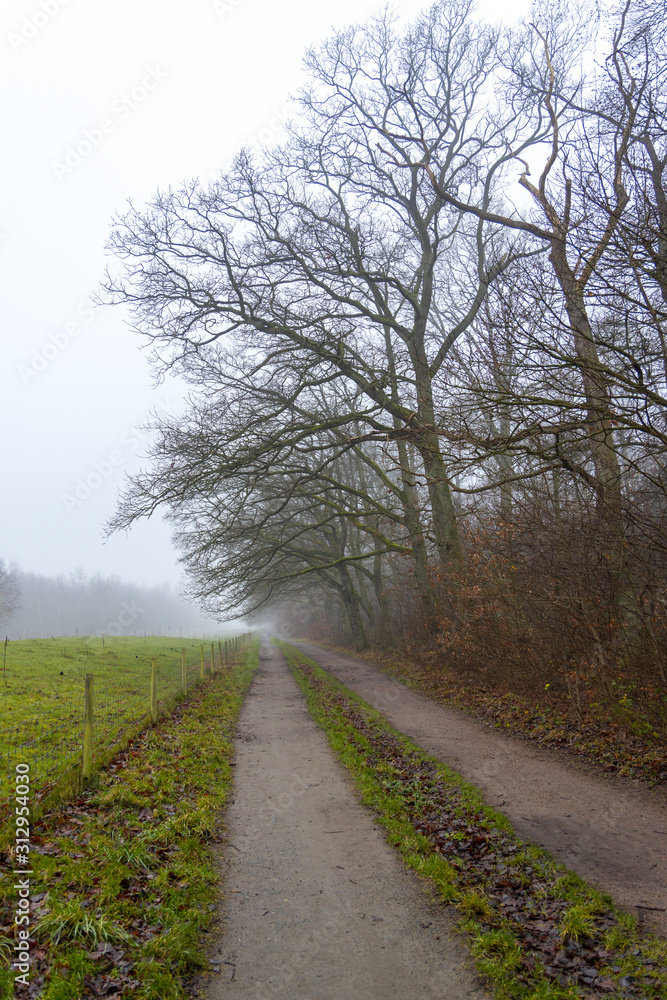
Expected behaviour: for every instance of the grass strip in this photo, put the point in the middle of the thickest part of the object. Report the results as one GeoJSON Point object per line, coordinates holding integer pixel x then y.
{"type": "Point", "coordinates": [536, 929]}
{"type": "Point", "coordinates": [124, 879]}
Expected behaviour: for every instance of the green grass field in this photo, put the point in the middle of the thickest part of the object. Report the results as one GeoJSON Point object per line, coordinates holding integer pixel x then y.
{"type": "Point", "coordinates": [125, 879]}
{"type": "Point", "coordinates": [42, 696]}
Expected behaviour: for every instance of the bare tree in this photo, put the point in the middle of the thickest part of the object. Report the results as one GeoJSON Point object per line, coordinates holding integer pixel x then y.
{"type": "Point", "coordinates": [426, 337]}
{"type": "Point", "coordinates": [268, 490]}
{"type": "Point", "coordinates": [336, 247]}
{"type": "Point", "coordinates": [10, 592]}
{"type": "Point", "coordinates": [582, 209]}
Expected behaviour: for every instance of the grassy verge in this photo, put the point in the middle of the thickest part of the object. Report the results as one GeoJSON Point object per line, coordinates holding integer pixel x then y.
{"type": "Point", "coordinates": [124, 881]}
{"type": "Point", "coordinates": [537, 930]}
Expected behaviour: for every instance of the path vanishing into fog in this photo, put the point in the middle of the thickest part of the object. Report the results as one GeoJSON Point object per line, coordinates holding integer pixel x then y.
{"type": "Point", "coordinates": [611, 830]}
{"type": "Point", "coordinates": [317, 906]}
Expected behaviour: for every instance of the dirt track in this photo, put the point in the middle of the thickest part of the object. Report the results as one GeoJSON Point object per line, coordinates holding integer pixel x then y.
{"type": "Point", "coordinates": [317, 905]}
{"type": "Point", "coordinates": [610, 830]}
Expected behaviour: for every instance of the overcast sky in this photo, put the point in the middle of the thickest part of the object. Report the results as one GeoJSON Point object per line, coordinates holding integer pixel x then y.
{"type": "Point", "coordinates": [106, 100]}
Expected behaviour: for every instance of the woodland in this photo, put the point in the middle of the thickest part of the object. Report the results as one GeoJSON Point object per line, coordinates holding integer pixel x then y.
{"type": "Point", "coordinates": [425, 342]}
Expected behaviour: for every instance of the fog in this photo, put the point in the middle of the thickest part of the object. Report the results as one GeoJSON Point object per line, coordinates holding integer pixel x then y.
{"type": "Point", "coordinates": [81, 605]}
{"type": "Point", "coordinates": [107, 102]}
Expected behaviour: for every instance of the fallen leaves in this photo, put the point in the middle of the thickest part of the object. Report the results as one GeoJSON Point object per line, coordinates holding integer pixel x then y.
{"type": "Point", "coordinates": [599, 737]}
{"type": "Point", "coordinates": [560, 925]}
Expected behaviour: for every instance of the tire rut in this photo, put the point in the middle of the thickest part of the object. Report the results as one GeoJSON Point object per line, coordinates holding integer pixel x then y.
{"type": "Point", "coordinates": [317, 904]}
{"type": "Point", "coordinates": [611, 831]}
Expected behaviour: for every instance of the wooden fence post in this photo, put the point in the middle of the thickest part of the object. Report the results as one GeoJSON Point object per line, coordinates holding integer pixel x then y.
{"type": "Point", "coordinates": [212, 670]}
{"type": "Point", "coordinates": [184, 673]}
{"type": "Point", "coordinates": [154, 691]}
{"type": "Point", "coordinates": [226, 652]}
{"type": "Point", "coordinates": [220, 655]}
{"type": "Point", "coordinates": [87, 769]}
{"type": "Point", "coordinates": [201, 663]}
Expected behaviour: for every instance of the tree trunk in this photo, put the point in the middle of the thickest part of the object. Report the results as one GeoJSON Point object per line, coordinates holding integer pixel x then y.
{"type": "Point", "coordinates": [427, 444]}
{"type": "Point", "coordinates": [415, 529]}
{"type": "Point", "coordinates": [352, 608]}
{"type": "Point", "coordinates": [378, 587]}
{"type": "Point", "coordinates": [445, 528]}
{"type": "Point", "coordinates": [409, 499]}
{"type": "Point", "coordinates": [596, 392]}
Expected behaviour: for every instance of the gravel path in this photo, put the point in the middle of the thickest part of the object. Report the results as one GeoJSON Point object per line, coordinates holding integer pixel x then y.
{"type": "Point", "coordinates": [610, 830]}
{"type": "Point", "coordinates": [317, 905]}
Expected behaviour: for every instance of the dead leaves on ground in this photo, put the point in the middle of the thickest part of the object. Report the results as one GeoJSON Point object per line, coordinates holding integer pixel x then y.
{"type": "Point", "coordinates": [599, 737]}
{"type": "Point", "coordinates": [497, 881]}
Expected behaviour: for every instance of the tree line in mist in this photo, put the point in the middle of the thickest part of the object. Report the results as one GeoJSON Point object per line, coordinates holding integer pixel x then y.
{"type": "Point", "coordinates": [426, 342]}
{"type": "Point", "coordinates": [36, 606]}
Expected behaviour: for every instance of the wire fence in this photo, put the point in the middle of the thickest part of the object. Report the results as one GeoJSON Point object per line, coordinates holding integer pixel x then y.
{"type": "Point", "coordinates": [50, 740]}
